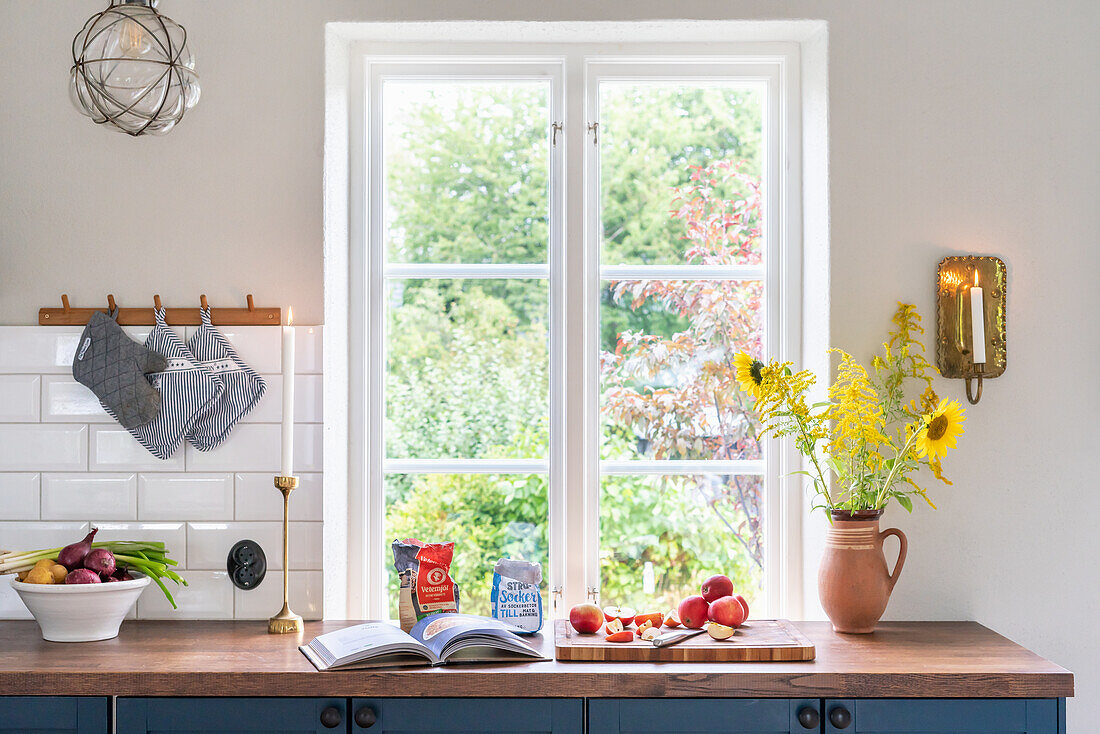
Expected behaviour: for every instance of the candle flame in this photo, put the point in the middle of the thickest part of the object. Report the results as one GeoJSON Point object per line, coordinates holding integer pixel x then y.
{"type": "Point", "coordinates": [290, 316]}
{"type": "Point", "coordinates": [976, 279]}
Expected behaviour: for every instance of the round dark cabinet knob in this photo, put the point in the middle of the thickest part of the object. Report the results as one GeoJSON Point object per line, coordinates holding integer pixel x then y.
{"type": "Point", "coordinates": [365, 717]}
{"type": "Point", "coordinates": [331, 717]}
{"type": "Point", "coordinates": [808, 717]}
{"type": "Point", "coordinates": [840, 717]}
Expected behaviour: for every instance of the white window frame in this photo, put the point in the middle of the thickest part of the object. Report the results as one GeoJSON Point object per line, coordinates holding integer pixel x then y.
{"type": "Point", "coordinates": [574, 275]}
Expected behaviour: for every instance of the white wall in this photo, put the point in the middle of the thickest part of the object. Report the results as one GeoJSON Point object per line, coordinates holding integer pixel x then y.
{"type": "Point", "coordinates": [955, 128]}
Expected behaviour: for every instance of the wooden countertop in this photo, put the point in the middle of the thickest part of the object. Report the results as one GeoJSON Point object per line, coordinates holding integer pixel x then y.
{"type": "Point", "coordinates": [196, 658]}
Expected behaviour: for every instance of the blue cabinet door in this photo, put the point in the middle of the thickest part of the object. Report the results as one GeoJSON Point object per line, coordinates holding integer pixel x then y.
{"type": "Point", "coordinates": [53, 715]}
{"type": "Point", "coordinates": [700, 716]}
{"type": "Point", "coordinates": [947, 716]}
{"type": "Point", "coordinates": [467, 715]}
{"type": "Point", "coordinates": [231, 715]}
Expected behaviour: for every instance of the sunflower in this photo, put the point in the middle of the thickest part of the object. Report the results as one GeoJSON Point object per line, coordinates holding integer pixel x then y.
{"type": "Point", "coordinates": [942, 427]}
{"type": "Point", "coordinates": [749, 373]}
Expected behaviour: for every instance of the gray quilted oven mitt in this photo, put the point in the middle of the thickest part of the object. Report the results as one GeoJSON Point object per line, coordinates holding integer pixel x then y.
{"type": "Point", "coordinates": [113, 366]}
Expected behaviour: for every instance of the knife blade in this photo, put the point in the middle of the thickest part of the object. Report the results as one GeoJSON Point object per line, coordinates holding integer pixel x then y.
{"type": "Point", "coordinates": [671, 638]}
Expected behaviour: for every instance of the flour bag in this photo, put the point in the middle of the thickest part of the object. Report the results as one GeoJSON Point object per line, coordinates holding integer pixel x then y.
{"type": "Point", "coordinates": [426, 586]}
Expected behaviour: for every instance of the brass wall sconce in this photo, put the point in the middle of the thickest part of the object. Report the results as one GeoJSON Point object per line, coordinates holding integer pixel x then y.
{"type": "Point", "coordinates": [970, 306]}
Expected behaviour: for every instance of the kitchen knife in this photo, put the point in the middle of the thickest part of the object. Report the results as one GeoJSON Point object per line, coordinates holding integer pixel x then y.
{"type": "Point", "coordinates": [671, 638]}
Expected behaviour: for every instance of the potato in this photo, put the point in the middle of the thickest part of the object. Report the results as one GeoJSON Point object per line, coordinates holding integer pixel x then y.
{"type": "Point", "coordinates": [59, 573]}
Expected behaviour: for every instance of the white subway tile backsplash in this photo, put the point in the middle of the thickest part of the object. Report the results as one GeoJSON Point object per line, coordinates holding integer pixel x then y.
{"type": "Point", "coordinates": [254, 447]}
{"type": "Point", "coordinates": [27, 536]}
{"type": "Point", "coordinates": [19, 398]}
{"type": "Point", "coordinates": [21, 496]}
{"type": "Point", "coordinates": [114, 449]}
{"type": "Point", "coordinates": [172, 534]}
{"type": "Point", "coordinates": [257, 498]}
{"type": "Point", "coordinates": [265, 600]}
{"type": "Point", "coordinates": [208, 595]}
{"type": "Point", "coordinates": [208, 543]}
{"type": "Point", "coordinates": [65, 462]}
{"type": "Point", "coordinates": [38, 350]}
{"type": "Point", "coordinates": [64, 400]}
{"type": "Point", "coordinates": [84, 495]}
{"type": "Point", "coordinates": [185, 496]}
{"type": "Point", "coordinates": [308, 407]}
{"type": "Point", "coordinates": [41, 447]}
{"type": "Point", "coordinates": [308, 342]}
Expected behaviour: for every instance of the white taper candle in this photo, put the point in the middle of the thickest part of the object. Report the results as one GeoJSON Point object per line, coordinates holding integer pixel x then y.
{"type": "Point", "coordinates": [287, 464]}
{"type": "Point", "coordinates": [977, 321]}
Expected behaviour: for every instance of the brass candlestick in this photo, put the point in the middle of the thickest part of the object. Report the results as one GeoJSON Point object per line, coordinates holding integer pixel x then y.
{"type": "Point", "coordinates": [285, 621]}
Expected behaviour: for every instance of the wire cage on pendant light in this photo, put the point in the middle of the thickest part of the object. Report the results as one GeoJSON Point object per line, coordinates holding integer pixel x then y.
{"type": "Point", "coordinates": [133, 70]}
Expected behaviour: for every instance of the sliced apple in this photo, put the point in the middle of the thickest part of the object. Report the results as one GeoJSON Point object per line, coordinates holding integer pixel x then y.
{"type": "Point", "coordinates": [672, 619]}
{"type": "Point", "coordinates": [650, 634]}
{"type": "Point", "coordinates": [719, 631]}
{"type": "Point", "coordinates": [614, 626]}
{"type": "Point", "coordinates": [643, 626]}
{"type": "Point", "coordinates": [655, 617]}
{"type": "Point", "coordinates": [623, 614]}
{"type": "Point", "coordinates": [621, 636]}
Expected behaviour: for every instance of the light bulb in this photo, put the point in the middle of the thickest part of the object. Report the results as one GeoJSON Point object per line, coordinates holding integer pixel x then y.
{"type": "Point", "coordinates": [133, 39]}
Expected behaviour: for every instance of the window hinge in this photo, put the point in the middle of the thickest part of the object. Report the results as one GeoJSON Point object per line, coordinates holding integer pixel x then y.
{"type": "Point", "coordinates": [554, 130]}
{"type": "Point", "coordinates": [594, 128]}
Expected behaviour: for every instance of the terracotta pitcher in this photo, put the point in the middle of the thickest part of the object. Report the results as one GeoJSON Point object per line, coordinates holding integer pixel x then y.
{"type": "Point", "coordinates": [853, 582]}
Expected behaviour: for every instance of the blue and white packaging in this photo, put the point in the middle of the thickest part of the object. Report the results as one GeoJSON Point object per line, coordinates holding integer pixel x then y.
{"type": "Point", "coordinates": [516, 599]}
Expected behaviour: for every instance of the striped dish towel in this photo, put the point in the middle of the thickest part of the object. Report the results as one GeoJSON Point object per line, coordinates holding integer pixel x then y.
{"type": "Point", "coordinates": [243, 386]}
{"type": "Point", "coordinates": [187, 390]}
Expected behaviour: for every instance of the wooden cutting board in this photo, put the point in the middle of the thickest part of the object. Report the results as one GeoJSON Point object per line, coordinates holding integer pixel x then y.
{"type": "Point", "coordinates": [759, 640]}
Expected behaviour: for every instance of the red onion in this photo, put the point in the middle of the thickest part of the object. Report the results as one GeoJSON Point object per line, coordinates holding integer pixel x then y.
{"type": "Point", "coordinates": [82, 576]}
{"type": "Point", "coordinates": [72, 556]}
{"type": "Point", "coordinates": [100, 560]}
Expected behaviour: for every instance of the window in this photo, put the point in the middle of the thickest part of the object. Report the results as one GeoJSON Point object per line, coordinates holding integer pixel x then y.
{"type": "Point", "coordinates": [562, 255]}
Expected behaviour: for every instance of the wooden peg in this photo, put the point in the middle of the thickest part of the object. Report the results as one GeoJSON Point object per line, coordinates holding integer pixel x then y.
{"type": "Point", "coordinates": [251, 305]}
{"type": "Point", "coordinates": [202, 300]}
{"type": "Point", "coordinates": [111, 302]}
{"type": "Point", "coordinates": [156, 301]}
{"type": "Point", "coordinates": [65, 301]}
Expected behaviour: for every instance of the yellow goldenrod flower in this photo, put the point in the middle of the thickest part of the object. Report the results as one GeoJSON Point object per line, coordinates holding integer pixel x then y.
{"type": "Point", "coordinates": [750, 373]}
{"type": "Point", "coordinates": [943, 426]}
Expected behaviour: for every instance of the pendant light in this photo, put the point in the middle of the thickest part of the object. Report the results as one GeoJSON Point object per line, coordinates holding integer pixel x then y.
{"type": "Point", "coordinates": [132, 69]}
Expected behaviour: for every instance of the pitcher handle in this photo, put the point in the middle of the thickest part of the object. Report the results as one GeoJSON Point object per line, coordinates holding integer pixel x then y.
{"type": "Point", "coordinates": [901, 553]}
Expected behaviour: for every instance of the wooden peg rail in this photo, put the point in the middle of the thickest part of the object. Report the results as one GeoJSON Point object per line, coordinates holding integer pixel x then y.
{"type": "Point", "coordinates": [250, 316]}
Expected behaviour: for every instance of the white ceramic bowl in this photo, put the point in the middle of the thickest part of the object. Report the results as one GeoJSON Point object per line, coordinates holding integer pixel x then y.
{"type": "Point", "coordinates": [81, 612]}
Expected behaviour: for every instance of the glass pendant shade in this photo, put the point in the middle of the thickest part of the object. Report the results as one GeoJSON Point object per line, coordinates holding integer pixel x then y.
{"type": "Point", "coordinates": [132, 69]}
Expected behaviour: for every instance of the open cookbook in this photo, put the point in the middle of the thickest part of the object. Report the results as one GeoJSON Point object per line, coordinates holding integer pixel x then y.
{"type": "Point", "coordinates": [435, 640]}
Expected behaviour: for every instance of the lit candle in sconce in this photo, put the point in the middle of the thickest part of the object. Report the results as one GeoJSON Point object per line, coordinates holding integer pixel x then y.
{"type": "Point", "coordinates": [977, 321]}
{"type": "Point", "coordinates": [287, 464]}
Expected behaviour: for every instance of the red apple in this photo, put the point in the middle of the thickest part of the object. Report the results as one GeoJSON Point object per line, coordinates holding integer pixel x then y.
{"type": "Point", "coordinates": [727, 611]}
{"type": "Point", "coordinates": [693, 612]}
{"type": "Point", "coordinates": [586, 618]}
{"type": "Point", "coordinates": [744, 603]}
{"type": "Point", "coordinates": [716, 587]}
{"type": "Point", "coordinates": [624, 614]}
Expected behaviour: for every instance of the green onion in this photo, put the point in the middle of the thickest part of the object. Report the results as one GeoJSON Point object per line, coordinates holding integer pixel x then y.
{"type": "Point", "coordinates": [148, 557]}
